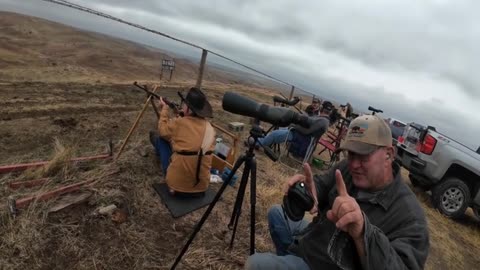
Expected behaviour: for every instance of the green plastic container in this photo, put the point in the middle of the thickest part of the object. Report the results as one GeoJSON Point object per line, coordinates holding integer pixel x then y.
{"type": "Point", "coordinates": [317, 163]}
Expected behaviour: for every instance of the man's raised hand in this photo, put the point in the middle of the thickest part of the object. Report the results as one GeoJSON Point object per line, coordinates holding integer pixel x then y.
{"type": "Point", "coordinates": [346, 213]}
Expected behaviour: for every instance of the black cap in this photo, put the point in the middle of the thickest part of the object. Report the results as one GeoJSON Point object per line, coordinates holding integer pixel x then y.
{"type": "Point", "coordinates": [327, 105]}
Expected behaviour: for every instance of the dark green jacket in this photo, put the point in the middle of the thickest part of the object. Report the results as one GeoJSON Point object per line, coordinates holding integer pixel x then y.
{"type": "Point", "coordinates": [396, 232]}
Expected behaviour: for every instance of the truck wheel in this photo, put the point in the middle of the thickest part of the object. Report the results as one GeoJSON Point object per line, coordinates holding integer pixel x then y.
{"type": "Point", "coordinates": [451, 197]}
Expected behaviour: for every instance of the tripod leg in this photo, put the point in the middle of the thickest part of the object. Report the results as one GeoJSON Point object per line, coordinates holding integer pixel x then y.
{"type": "Point", "coordinates": [237, 210]}
{"type": "Point", "coordinates": [253, 202]}
{"type": "Point", "coordinates": [199, 225]}
{"type": "Point", "coordinates": [240, 194]}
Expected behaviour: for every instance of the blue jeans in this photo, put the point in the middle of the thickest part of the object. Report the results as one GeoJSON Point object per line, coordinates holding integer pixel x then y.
{"type": "Point", "coordinates": [263, 261]}
{"type": "Point", "coordinates": [282, 231]}
{"type": "Point", "coordinates": [276, 137]}
{"type": "Point", "coordinates": [163, 149]}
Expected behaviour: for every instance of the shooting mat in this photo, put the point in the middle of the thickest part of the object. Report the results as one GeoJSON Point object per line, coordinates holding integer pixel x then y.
{"type": "Point", "coordinates": [180, 206]}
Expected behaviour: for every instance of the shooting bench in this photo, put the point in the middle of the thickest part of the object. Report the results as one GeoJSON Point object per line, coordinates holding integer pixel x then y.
{"type": "Point", "coordinates": [219, 163]}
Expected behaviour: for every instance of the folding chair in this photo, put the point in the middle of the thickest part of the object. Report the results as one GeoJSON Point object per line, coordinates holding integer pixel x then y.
{"type": "Point", "coordinates": [328, 146]}
{"type": "Point", "coordinates": [334, 140]}
{"type": "Point", "coordinates": [275, 147]}
{"type": "Point", "coordinates": [309, 151]}
{"type": "Point", "coordinates": [335, 137]}
{"type": "Point", "coordinates": [311, 148]}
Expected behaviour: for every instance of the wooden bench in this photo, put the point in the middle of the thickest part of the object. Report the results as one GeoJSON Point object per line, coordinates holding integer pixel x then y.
{"type": "Point", "coordinates": [220, 163]}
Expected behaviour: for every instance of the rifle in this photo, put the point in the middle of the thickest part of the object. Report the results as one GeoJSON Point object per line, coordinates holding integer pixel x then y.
{"type": "Point", "coordinates": [174, 106]}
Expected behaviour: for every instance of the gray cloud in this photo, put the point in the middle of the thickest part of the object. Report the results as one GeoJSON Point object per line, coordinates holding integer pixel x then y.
{"type": "Point", "coordinates": [416, 60]}
{"type": "Point", "coordinates": [436, 37]}
{"type": "Point", "coordinates": [447, 121]}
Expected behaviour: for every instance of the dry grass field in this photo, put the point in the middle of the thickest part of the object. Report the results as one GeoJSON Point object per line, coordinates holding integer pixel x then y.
{"type": "Point", "coordinates": [70, 95]}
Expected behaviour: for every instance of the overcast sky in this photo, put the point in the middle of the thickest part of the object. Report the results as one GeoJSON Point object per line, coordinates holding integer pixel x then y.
{"type": "Point", "coordinates": [416, 60]}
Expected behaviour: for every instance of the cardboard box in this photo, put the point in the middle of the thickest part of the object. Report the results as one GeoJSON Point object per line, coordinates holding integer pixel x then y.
{"type": "Point", "coordinates": [236, 126]}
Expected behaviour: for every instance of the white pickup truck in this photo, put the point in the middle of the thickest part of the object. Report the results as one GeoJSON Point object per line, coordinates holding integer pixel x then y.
{"type": "Point", "coordinates": [438, 163]}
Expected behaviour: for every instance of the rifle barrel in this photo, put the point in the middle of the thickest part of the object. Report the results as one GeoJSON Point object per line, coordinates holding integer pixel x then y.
{"type": "Point", "coordinates": [144, 88]}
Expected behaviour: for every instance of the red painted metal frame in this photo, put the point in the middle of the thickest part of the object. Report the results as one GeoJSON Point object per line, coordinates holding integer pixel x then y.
{"type": "Point", "coordinates": [23, 202]}
{"type": "Point", "coordinates": [28, 183]}
{"type": "Point", "coordinates": [24, 166]}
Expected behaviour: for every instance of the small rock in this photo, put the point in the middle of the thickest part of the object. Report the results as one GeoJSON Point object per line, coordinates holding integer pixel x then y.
{"type": "Point", "coordinates": [107, 210]}
{"type": "Point", "coordinates": [142, 152]}
{"type": "Point", "coordinates": [119, 216]}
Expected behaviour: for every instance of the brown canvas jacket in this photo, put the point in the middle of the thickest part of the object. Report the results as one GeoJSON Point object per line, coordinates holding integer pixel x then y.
{"type": "Point", "coordinates": [185, 135]}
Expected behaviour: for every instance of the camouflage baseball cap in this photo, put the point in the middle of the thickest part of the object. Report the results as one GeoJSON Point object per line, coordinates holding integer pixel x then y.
{"type": "Point", "coordinates": [365, 134]}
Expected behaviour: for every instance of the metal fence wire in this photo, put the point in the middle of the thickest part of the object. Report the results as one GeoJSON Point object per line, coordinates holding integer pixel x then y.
{"type": "Point", "coordinates": [205, 51]}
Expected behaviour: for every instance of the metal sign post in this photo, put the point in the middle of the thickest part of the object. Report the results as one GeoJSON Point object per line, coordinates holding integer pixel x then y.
{"type": "Point", "coordinates": [169, 66]}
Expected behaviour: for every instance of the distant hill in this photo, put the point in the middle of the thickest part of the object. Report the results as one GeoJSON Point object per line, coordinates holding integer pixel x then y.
{"type": "Point", "coordinates": [35, 49]}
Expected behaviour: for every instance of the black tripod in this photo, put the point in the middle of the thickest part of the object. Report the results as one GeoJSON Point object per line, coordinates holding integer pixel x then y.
{"type": "Point", "coordinates": [250, 169]}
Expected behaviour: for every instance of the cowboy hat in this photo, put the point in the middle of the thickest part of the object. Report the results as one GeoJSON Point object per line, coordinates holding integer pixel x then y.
{"type": "Point", "coordinates": [197, 102]}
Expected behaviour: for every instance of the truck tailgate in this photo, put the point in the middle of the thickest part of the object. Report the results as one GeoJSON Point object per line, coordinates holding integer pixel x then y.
{"type": "Point", "coordinates": [407, 153]}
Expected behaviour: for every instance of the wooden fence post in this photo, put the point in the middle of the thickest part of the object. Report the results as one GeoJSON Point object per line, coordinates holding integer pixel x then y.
{"type": "Point", "coordinates": [201, 69]}
{"type": "Point", "coordinates": [291, 93]}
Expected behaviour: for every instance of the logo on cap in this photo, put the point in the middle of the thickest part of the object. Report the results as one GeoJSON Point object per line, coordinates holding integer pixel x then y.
{"type": "Point", "coordinates": [358, 130]}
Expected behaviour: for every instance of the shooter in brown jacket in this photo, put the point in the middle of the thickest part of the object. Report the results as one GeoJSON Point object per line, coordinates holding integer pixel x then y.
{"type": "Point", "coordinates": [186, 144]}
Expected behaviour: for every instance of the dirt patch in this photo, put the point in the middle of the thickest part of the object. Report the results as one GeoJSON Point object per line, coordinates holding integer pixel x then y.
{"type": "Point", "coordinates": [66, 122]}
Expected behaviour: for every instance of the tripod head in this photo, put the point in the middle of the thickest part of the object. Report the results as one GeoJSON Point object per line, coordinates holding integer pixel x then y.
{"type": "Point", "coordinates": [256, 132]}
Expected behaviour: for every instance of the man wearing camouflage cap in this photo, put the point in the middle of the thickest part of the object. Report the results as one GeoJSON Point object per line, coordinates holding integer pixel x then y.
{"type": "Point", "coordinates": [366, 216]}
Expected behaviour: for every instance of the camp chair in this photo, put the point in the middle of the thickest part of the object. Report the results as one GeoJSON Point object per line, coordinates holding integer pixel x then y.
{"type": "Point", "coordinates": [331, 149]}
{"type": "Point", "coordinates": [290, 145]}
{"type": "Point", "coordinates": [276, 147]}
{"type": "Point", "coordinates": [311, 148]}
{"type": "Point", "coordinates": [333, 140]}
{"type": "Point", "coordinates": [338, 134]}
